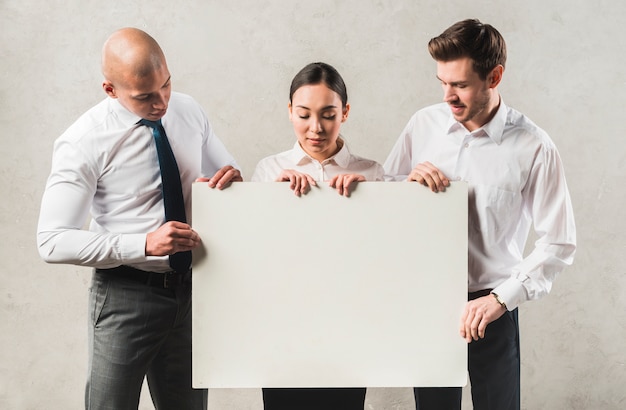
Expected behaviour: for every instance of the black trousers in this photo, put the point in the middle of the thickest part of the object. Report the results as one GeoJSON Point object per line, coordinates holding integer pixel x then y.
{"type": "Point", "coordinates": [494, 370]}
{"type": "Point", "coordinates": [314, 399]}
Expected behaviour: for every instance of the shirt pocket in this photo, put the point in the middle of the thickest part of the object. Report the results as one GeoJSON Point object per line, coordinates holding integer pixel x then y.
{"type": "Point", "coordinates": [492, 209]}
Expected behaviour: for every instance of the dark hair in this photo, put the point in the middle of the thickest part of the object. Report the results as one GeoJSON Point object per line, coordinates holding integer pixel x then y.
{"type": "Point", "coordinates": [482, 43]}
{"type": "Point", "coordinates": [320, 73]}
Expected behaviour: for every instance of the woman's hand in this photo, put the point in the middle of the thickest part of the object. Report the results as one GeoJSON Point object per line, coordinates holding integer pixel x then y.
{"type": "Point", "coordinates": [343, 182]}
{"type": "Point", "coordinates": [299, 183]}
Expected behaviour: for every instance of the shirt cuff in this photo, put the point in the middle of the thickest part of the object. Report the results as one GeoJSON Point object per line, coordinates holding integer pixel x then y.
{"type": "Point", "coordinates": [512, 293]}
{"type": "Point", "coordinates": [133, 247]}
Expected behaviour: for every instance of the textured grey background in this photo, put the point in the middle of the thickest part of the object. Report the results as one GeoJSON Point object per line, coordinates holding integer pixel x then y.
{"type": "Point", "coordinates": [565, 71]}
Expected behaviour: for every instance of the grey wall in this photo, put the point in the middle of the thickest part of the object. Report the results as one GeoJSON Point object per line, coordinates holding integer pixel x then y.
{"type": "Point", "coordinates": [565, 71]}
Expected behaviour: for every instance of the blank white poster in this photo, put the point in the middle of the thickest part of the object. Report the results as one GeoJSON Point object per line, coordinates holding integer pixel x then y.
{"type": "Point", "coordinates": [328, 291]}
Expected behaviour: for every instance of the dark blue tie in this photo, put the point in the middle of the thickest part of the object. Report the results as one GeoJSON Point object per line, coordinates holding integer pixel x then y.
{"type": "Point", "coordinates": [171, 188]}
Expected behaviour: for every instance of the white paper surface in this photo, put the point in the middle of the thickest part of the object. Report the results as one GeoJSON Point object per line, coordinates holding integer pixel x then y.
{"type": "Point", "coordinates": [328, 291]}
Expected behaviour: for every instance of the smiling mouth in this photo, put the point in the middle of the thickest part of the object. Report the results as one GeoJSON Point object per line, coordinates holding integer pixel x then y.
{"type": "Point", "coordinates": [456, 107]}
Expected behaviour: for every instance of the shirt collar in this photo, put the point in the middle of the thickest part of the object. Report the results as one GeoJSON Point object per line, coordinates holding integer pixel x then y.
{"type": "Point", "coordinates": [493, 129]}
{"type": "Point", "coordinates": [127, 118]}
{"type": "Point", "coordinates": [341, 158]}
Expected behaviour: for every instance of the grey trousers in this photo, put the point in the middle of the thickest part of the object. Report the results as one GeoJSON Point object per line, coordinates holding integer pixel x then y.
{"type": "Point", "coordinates": [138, 331]}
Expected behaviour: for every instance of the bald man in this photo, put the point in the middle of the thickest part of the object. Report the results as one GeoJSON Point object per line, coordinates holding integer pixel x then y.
{"type": "Point", "coordinates": [105, 166]}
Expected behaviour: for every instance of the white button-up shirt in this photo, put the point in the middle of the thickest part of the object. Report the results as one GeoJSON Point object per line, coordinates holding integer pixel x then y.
{"type": "Point", "coordinates": [343, 162]}
{"type": "Point", "coordinates": [105, 166]}
{"type": "Point", "coordinates": [516, 181]}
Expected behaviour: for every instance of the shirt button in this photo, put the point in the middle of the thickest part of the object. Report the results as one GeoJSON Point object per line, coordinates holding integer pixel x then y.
{"type": "Point", "coordinates": [466, 145]}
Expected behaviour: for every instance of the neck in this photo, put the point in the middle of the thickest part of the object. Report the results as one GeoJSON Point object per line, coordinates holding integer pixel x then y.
{"type": "Point", "coordinates": [321, 157]}
{"type": "Point", "coordinates": [489, 112]}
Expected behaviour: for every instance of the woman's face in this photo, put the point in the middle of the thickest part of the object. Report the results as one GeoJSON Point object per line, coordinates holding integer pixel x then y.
{"type": "Point", "coordinates": [316, 113]}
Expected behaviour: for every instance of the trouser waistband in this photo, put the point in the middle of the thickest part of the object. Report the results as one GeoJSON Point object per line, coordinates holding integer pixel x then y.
{"type": "Point", "coordinates": [163, 280]}
{"type": "Point", "coordinates": [478, 294]}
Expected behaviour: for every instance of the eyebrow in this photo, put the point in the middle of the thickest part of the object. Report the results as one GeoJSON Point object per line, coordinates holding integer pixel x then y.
{"type": "Point", "coordinates": [147, 94]}
{"type": "Point", "coordinates": [453, 82]}
{"type": "Point", "coordinates": [328, 107]}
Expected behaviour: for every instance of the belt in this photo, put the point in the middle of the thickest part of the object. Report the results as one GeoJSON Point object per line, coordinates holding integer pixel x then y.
{"type": "Point", "coordinates": [163, 280]}
{"type": "Point", "coordinates": [478, 294]}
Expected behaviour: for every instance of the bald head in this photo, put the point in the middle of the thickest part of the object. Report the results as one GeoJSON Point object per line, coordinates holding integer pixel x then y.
{"type": "Point", "coordinates": [129, 54]}
{"type": "Point", "coordinates": [136, 74]}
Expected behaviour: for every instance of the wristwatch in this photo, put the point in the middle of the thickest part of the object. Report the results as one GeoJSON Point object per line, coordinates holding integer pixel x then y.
{"type": "Point", "coordinates": [500, 301]}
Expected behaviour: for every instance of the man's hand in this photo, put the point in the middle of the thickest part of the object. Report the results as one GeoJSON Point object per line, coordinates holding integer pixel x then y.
{"type": "Point", "coordinates": [477, 315]}
{"type": "Point", "coordinates": [171, 237]}
{"type": "Point", "coordinates": [427, 174]}
{"type": "Point", "coordinates": [342, 182]}
{"type": "Point", "coordinates": [223, 177]}
{"type": "Point", "coordinates": [299, 183]}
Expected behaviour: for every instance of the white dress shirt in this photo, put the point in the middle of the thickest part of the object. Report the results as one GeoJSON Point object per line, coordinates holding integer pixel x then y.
{"type": "Point", "coordinates": [516, 181]}
{"type": "Point", "coordinates": [343, 162]}
{"type": "Point", "coordinates": [105, 166]}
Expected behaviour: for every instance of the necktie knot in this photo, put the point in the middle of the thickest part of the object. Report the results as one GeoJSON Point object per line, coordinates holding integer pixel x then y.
{"type": "Point", "coordinates": [152, 124]}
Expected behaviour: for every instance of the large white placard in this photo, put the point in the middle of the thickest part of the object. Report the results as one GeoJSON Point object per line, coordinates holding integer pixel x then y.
{"type": "Point", "coordinates": [328, 291]}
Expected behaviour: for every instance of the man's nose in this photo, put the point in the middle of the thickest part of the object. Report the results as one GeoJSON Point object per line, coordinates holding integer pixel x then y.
{"type": "Point", "coordinates": [160, 101]}
{"type": "Point", "coordinates": [448, 94]}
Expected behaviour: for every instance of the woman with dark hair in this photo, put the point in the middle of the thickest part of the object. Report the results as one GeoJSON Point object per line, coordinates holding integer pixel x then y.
{"type": "Point", "coordinates": [318, 105]}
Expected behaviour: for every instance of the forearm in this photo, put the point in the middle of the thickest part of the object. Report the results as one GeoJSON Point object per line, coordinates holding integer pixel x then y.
{"type": "Point", "coordinates": [532, 278]}
{"type": "Point", "coordinates": [61, 237]}
{"type": "Point", "coordinates": [80, 247]}
{"type": "Point", "coordinates": [548, 201]}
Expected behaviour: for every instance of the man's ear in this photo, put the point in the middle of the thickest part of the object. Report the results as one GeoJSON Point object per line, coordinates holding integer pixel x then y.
{"type": "Point", "coordinates": [495, 76]}
{"type": "Point", "coordinates": [109, 89]}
